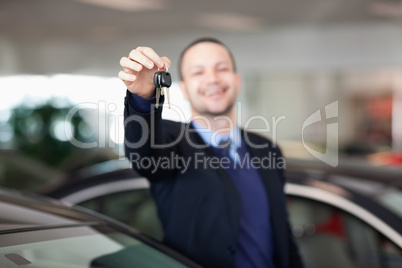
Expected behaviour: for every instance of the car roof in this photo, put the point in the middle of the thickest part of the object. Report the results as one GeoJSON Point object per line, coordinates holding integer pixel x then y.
{"type": "Point", "coordinates": [23, 211]}
{"type": "Point", "coordinates": [371, 188]}
{"type": "Point", "coordinates": [357, 176]}
{"type": "Point", "coordinates": [356, 185]}
{"type": "Point", "coordinates": [356, 169]}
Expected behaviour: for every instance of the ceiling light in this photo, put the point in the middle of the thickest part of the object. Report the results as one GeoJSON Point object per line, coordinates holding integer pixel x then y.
{"type": "Point", "coordinates": [229, 22]}
{"type": "Point", "coordinates": [127, 5]}
{"type": "Point", "coordinates": [390, 10]}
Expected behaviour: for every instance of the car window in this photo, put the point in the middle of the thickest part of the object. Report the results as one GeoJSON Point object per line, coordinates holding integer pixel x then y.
{"type": "Point", "coordinates": [392, 199]}
{"type": "Point", "coordinates": [386, 194]}
{"type": "Point", "coordinates": [79, 247]}
{"type": "Point", "coordinates": [135, 208]}
{"type": "Point", "coordinates": [329, 237]}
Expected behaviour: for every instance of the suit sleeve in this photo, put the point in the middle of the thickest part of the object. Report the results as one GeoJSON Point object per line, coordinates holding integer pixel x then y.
{"type": "Point", "coordinates": [146, 140]}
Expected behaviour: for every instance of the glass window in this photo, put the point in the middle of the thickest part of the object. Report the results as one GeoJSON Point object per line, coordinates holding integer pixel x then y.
{"type": "Point", "coordinates": [329, 237]}
{"type": "Point", "coordinates": [135, 208]}
{"type": "Point", "coordinates": [79, 247]}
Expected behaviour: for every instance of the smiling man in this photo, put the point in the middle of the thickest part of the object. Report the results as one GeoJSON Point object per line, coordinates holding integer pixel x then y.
{"type": "Point", "coordinates": [225, 209]}
{"type": "Point", "coordinates": [209, 82]}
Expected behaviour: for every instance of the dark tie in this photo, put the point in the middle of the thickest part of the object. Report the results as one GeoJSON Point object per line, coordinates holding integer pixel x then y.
{"type": "Point", "coordinates": [224, 145]}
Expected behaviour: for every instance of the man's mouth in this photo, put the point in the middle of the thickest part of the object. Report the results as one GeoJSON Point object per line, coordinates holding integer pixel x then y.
{"type": "Point", "coordinates": [214, 92]}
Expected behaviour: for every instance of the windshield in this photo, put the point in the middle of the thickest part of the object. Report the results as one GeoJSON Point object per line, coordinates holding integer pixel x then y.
{"type": "Point", "coordinates": [79, 247]}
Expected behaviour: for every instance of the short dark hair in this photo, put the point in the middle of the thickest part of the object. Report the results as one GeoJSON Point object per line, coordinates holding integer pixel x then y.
{"type": "Point", "coordinates": [203, 40]}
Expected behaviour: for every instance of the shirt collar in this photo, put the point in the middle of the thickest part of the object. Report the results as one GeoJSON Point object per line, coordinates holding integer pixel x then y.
{"type": "Point", "coordinates": [213, 138]}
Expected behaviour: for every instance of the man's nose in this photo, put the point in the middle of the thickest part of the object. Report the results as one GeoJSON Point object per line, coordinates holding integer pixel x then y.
{"type": "Point", "coordinates": [212, 76]}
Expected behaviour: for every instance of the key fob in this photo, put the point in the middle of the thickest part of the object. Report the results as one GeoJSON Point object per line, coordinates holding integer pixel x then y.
{"type": "Point", "coordinates": [166, 79]}
{"type": "Point", "coordinates": [157, 79]}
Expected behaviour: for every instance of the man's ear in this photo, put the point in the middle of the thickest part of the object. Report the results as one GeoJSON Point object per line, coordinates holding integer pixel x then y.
{"type": "Point", "coordinates": [183, 89]}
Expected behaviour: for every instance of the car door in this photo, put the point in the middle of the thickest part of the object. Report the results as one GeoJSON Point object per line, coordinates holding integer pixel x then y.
{"type": "Point", "coordinates": [332, 231]}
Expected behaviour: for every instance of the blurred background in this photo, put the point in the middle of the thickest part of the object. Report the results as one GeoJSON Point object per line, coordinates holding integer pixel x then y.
{"type": "Point", "coordinates": [61, 103]}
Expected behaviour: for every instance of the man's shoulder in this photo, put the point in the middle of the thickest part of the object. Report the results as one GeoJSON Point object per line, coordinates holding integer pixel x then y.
{"type": "Point", "coordinates": [260, 142]}
{"type": "Point", "coordinates": [174, 126]}
{"type": "Point", "coordinates": [255, 137]}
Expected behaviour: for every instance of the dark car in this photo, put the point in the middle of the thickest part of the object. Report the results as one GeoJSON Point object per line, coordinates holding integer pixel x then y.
{"type": "Point", "coordinates": [40, 233]}
{"type": "Point", "coordinates": [350, 216]}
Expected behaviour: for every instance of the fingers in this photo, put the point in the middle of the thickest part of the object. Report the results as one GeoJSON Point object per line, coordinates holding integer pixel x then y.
{"type": "Point", "coordinates": [167, 62]}
{"type": "Point", "coordinates": [147, 57]}
{"type": "Point", "coordinates": [128, 65]}
{"type": "Point", "coordinates": [139, 69]}
{"type": "Point", "coordinates": [125, 76]}
{"type": "Point", "coordinates": [143, 57]}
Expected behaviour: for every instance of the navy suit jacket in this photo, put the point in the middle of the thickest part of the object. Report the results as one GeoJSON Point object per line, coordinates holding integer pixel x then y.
{"type": "Point", "coordinates": [199, 206]}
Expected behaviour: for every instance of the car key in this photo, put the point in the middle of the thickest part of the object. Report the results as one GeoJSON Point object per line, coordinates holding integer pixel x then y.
{"type": "Point", "coordinates": [166, 82]}
{"type": "Point", "coordinates": [162, 81]}
{"type": "Point", "coordinates": [158, 88]}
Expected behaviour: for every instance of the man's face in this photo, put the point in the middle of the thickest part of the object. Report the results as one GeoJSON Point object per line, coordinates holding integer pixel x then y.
{"type": "Point", "coordinates": [209, 81]}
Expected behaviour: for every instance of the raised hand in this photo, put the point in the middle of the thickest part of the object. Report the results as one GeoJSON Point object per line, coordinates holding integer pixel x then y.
{"type": "Point", "coordinates": [139, 69]}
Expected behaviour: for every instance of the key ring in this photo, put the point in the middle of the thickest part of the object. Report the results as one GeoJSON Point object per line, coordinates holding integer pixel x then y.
{"type": "Point", "coordinates": [167, 70]}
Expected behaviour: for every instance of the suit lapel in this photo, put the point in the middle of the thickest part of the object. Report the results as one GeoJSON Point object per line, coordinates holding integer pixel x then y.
{"type": "Point", "coordinates": [273, 184]}
{"type": "Point", "coordinates": [223, 176]}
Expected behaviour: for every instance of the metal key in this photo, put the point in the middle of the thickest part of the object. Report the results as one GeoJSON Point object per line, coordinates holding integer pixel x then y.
{"type": "Point", "coordinates": [167, 96]}
{"type": "Point", "coordinates": [158, 96]}
{"type": "Point", "coordinates": [157, 87]}
{"type": "Point", "coordinates": [162, 81]}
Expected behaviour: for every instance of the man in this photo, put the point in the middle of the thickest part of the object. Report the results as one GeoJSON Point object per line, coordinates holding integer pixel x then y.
{"type": "Point", "coordinates": [216, 206]}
